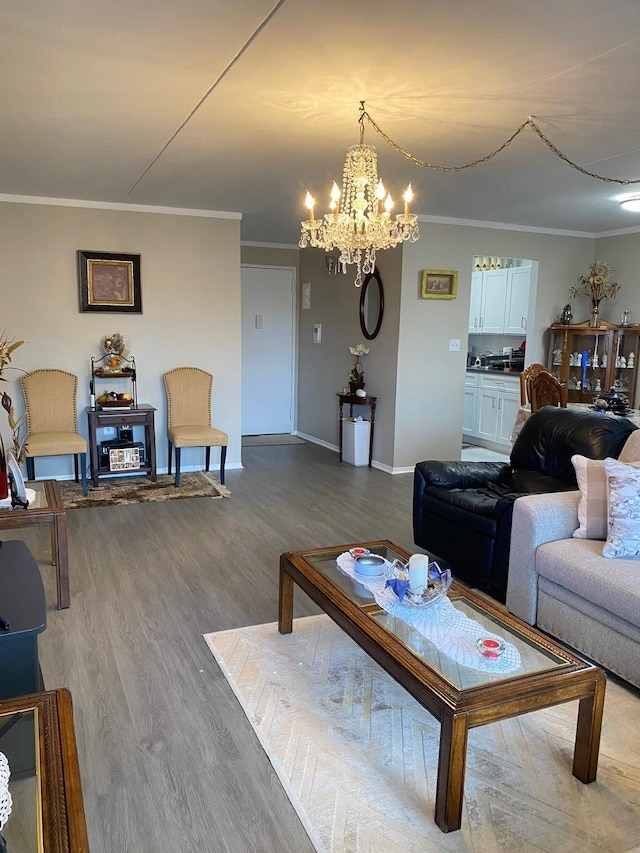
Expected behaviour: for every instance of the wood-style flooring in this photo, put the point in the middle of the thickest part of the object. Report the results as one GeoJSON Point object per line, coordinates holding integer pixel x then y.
{"type": "Point", "coordinates": [168, 759]}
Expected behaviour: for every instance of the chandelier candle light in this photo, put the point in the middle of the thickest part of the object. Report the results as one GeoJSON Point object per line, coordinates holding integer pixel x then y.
{"type": "Point", "coordinates": [360, 222]}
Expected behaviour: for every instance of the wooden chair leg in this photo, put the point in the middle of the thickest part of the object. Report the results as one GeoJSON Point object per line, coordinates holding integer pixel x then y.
{"type": "Point", "coordinates": [31, 468]}
{"type": "Point", "coordinates": [169, 462]}
{"type": "Point", "coordinates": [82, 458]}
{"type": "Point", "coordinates": [178, 449]}
{"type": "Point", "coordinates": [223, 459]}
{"type": "Point", "coordinates": [207, 458]}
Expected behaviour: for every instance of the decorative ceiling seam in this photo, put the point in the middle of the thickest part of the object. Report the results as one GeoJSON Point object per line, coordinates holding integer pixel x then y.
{"type": "Point", "coordinates": [211, 88]}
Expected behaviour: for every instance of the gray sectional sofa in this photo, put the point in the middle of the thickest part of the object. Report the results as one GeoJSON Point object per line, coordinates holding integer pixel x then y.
{"type": "Point", "coordinates": [567, 588]}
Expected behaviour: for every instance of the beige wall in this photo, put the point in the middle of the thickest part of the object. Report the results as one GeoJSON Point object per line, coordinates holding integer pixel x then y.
{"type": "Point", "coordinates": [420, 383]}
{"type": "Point", "coordinates": [323, 369]}
{"type": "Point", "coordinates": [190, 296]}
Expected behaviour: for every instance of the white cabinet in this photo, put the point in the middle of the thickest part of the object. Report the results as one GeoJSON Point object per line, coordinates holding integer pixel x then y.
{"type": "Point", "coordinates": [497, 399]}
{"type": "Point", "coordinates": [499, 301]}
{"type": "Point", "coordinates": [517, 304]}
{"type": "Point", "coordinates": [494, 299]}
{"type": "Point", "coordinates": [470, 404]}
{"type": "Point", "coordinates": [475, 307]}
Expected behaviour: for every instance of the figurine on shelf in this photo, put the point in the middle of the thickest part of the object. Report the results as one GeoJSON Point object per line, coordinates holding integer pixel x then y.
{"type": "Point", "coordinates": [623, 361]}
{"type": "Point", "coordinates": [605, 359]}
{"type": "Point", "coordinates": [567, 315]}
{"type": "Point", "coordinates": [598, 385]}
{"type": "Point", "coordinates": [631, 360]}
{"type": "Point", "coordinates": [594, 360]}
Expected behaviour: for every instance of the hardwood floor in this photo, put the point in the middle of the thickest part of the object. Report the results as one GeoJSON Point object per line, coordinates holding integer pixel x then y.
{"type": "Point", "coordinates": [168, 759]}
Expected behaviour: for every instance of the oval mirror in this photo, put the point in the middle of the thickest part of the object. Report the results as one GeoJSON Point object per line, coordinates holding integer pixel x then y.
{"type": "Point", "coordinates": [371, 305]}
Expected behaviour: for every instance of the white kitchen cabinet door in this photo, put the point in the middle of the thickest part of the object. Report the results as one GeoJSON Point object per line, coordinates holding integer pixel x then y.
{"type": "Point", "coordinates": [469, 411]}
{"type": "Point", "coordinates": [476, 302]}
{"type": "Point", "coordinates": [494, 297]}
{"type": "Point", "coordinates": [517, 304]}
{"type": "Point", "coordinates": [508, 406]}
{"type": "Point", "coordinates": [487, 414]}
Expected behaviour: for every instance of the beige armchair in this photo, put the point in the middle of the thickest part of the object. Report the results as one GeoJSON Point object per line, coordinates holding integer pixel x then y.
{"type": "Point", "coordinates": [189, 415]}
{"type": "Point", "coordinates": [52, 420]}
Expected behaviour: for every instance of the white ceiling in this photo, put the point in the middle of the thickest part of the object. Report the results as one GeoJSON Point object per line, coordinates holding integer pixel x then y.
{"type": "Point", "coordinates": [92, 92]}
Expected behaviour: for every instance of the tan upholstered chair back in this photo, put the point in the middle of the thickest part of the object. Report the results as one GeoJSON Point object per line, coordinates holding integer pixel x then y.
{"type": "Point", "coordinates": [188, 396]}
{"type": "Point", "coordinates": [50, 401]}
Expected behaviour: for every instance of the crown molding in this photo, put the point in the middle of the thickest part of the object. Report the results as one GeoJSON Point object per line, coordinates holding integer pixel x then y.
{"type": "Point", "coordinates": [109, 205]}
{"type": "Point", "coordinates": [505, 226]}
{"type": "Point", "coordinates": [251, 244]}
{"type": "Point", "coordinates": [619, 232]}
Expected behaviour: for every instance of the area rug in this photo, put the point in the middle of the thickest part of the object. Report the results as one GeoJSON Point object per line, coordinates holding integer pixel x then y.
{"type": "Point", "coordinates": [130, 490]}
{"type": "Point", "coordinates": [357, 755]}
{"type": "Point", "coordinates": [266, 440]}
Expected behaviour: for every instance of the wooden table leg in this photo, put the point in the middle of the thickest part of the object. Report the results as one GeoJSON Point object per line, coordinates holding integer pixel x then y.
{"type": "Point", "coordinates": [340, 431]}
{"type": "Point", "coordinates": [285, 603]}
{"type": "Point", "coordinates": [585, 755]}
{"type": "Point", "coordinates": [451, 769]}
{"type": "Point", "coordinates": [61, 556]}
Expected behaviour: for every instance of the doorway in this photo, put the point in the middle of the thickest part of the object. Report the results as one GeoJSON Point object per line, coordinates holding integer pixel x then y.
{"type": "Point", "coordinates": [268, 349]}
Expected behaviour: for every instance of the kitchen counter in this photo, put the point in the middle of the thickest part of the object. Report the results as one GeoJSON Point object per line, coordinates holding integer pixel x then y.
{"type": "Point", "coordinates": [513, 370]}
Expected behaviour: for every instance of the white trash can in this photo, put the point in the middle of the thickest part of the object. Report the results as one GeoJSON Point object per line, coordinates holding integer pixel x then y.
{"type": "Point", "coordinates": [355, 441]}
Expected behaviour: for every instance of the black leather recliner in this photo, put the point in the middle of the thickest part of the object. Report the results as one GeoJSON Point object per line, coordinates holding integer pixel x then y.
{"type": "Point", "coordinates": [462, 510]}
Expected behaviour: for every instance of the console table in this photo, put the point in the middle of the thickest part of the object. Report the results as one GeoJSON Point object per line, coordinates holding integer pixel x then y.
{"type": "Point", "coordinates": [140, 415]}
{"type": "Point", "coordinates": [353, 400]}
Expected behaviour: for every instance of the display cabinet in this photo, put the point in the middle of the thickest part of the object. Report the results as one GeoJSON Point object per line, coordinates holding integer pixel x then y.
{"type": "Point", "coordinates": [589, 360]}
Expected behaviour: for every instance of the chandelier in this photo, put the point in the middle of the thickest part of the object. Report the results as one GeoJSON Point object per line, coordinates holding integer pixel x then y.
{"type": "Point", "coordinates": [360, 222]}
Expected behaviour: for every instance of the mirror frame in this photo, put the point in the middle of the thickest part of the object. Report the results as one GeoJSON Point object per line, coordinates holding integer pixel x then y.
{"type": "Point", "coordinates": [375, 275]}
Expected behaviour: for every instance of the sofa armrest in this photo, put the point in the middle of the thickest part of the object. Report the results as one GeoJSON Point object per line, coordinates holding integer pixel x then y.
{"type": "Point", "coordinates": [461, 475]}
{"type": "Point", "coordinates": [536, 519]}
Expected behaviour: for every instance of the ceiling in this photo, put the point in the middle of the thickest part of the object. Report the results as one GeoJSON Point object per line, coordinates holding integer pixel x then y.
{"type": "Point", "coordinates": [240, 105]}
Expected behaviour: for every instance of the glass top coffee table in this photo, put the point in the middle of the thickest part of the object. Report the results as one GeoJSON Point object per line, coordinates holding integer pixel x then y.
{"type": "Point", "coordinates": [460, 697]}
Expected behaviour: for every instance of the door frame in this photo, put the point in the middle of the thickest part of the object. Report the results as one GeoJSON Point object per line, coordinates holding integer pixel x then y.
{"type": "Point", "coordinates": [294, 336]}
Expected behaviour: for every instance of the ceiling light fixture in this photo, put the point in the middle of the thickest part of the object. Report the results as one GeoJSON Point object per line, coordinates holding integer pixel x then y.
{"type": "Point", "coordinates": [632, 203]}
{"type": "Point", "coordinates": [360, 222]}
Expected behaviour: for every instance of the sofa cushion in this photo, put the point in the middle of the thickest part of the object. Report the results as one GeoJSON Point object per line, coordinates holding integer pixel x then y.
{"type": "Point", "coordinates": [577, 565]}
{"type": "Point", "coordinates": [631, 450]}
{"type": "Point", "coordinates": [623, 532]}
{"type": "Point", "coordinates": [478, 509]}
{"type": "Point", "coordinates": [592, 509]}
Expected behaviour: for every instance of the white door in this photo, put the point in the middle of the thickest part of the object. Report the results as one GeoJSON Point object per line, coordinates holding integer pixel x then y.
{"type": "Point", "coordinates": [267, 350]}
{"type": "Point", "coordinates": [515, 317]}
{"type": "Point", "coordinates": [494, 296]}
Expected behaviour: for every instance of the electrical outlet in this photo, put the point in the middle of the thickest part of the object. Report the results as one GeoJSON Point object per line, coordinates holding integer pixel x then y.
{"type": "Point", "coordinates": [454, 345]}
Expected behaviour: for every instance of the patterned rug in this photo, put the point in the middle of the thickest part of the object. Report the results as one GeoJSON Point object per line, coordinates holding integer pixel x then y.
{"type": "Point", "coordinates": [357, 755]}
{"type": "Point", "coordinates": [131, 490]}
{"type": "Point", "coordinates": [266, 440]}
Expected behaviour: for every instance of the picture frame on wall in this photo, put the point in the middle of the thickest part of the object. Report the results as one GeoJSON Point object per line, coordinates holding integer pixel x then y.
{"type": "Point", "coordinates": [439, 284]}
{"type": "Point", "coordinates": [109, 282]}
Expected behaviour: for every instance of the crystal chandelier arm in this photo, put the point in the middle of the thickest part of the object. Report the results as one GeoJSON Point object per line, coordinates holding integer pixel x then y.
{"type": "Point", "coordinates": [528, 123]}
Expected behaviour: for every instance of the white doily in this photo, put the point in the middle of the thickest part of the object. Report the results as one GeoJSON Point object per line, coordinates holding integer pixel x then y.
{"type": "Point", "coordinates": [5, 796]}
{"type": "Point", "coordinates": [450, 631]}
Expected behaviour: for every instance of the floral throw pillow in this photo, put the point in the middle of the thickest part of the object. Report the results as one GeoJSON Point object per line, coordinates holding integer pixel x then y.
{"type": "Point", "coordinates": [623, 529]}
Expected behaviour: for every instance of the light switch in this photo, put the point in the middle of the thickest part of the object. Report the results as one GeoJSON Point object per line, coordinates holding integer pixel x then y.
{"type": "Point", "coordinates": [454, 345]}
{"type": "Point", "coordinates": [317, 333]}
{"type": "Point", "coordinates": [258, 321]}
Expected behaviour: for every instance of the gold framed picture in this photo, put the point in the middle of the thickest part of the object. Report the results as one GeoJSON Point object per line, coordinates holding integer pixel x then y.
{"type": "Point", "coordinates": [439, 284]}
{"type": "Point", "coordinates": [109, 282]}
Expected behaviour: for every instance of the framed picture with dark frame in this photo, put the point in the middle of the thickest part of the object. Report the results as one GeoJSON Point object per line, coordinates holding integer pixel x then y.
{"type": "Point", "coordinates": [439, 284]}
{"type": "Point", "coordinates": [109, 282]}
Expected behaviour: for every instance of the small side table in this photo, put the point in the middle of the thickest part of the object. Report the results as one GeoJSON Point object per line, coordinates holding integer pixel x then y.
{"type": "Point", "coordinates": [139, 415]}
{"type": "Point", "coordinates": [46, 510]}
{"type": "Point", "coordinates": [354, 400]}
{"type": "Point", "coordinates": [23, 606]}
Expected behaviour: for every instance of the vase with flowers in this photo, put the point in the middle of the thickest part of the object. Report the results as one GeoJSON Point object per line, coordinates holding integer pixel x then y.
{"type": "Point", "coordinates": [597, 285]}
{"type": "Point", "coordinates": [356, 376]}
{"type": "Point", "coordinates": [7, 348]}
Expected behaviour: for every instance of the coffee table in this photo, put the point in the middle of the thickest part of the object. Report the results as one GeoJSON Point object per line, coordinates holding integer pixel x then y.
{"type": "Point", "coordinates": [459, 697]}
{"type": "Point", "coordinates": [46, 509]}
